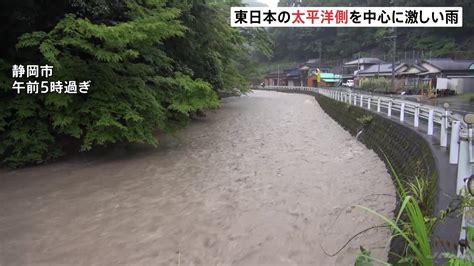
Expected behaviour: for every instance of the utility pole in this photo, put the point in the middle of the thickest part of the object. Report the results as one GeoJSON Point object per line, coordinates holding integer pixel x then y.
{"type": "Point", "coordinates": [394, 37]}
{"type": "Point", "coordinates": [358, 62]}
{"type": "Point", "coordinates": [392, 85]}
{"type": "Point", "coordinates": [278, 75]}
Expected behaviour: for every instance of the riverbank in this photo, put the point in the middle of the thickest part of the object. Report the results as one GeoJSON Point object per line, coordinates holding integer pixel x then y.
{"type": "Point", "coordinates": [268, 179]}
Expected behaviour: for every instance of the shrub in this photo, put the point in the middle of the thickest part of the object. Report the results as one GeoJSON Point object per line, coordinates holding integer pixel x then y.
{"type": "Point", "coordinates": [376, 84]}
{"type": "Point", "coordinates": [469, 97]}
{"type": "Point", "coordinates": [136, 88]}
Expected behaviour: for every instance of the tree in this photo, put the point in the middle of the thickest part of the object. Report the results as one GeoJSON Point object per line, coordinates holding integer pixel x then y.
{"type": "Point", "coordinates": [339, 43]}
{"type": "Point", "coordinates": [153, 64]}
{"type": "Point", "coordinates": [136, 87]}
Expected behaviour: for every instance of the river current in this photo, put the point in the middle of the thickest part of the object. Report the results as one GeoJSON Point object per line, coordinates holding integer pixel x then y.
{"type": "Point", "coordinates": [269, 179]}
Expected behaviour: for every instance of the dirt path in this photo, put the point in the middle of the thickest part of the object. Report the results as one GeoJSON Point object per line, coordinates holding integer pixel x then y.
{"type": "Point", "coordinates": [266, 180]}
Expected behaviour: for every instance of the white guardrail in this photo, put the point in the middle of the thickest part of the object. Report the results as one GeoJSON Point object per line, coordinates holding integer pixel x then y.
{"type": "Point", "coordinates": [461, 134]}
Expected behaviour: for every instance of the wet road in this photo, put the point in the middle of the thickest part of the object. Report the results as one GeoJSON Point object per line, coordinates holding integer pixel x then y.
{"type": "Point", "coordinates": [457, 104]}
{"type": "Point", "coordinates": [269, 179]}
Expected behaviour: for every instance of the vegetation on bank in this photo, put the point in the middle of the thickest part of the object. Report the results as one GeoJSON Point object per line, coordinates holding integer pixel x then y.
{"type": "Point", "coordinates": [415, 227]}
{"type": "Point", "coordinates": [378, 84]}
{"type": "Point", "coordinates": [153, 65]}
{"type": "Point", "coordinates": [469, 97]}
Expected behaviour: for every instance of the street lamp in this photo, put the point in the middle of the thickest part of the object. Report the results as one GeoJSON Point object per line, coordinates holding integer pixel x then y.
{"type": "Point", "coordinates": [469, 119]}
{"type": "Point", "coordinates": [470, 184]}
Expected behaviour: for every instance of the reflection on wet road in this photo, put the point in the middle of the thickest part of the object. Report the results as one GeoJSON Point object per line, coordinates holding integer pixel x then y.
{"type": "Point", "coordinates": [267, 180]}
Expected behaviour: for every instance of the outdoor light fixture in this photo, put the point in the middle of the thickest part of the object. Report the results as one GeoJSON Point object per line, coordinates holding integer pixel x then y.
{"type": "Point", "coordinates": [470, 184]}
{"type": "Point", "coordinates": [469, 119]}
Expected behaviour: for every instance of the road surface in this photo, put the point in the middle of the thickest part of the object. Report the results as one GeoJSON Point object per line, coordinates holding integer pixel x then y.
{"type": "Point", "coordinates": [457, 104]}
{"type": "Point", "coordinates": [269, 179]}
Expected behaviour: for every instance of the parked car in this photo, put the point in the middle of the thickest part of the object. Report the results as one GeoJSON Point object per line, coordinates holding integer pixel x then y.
{"type": "Point", "coordinates": [349, 84]}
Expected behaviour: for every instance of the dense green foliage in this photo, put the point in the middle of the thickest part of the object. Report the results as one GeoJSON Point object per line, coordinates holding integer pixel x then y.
{"type": "Point", "coordinates": [346, 43]}
{"type": "Point", "coordinates": [153, 65]}
{"type": "Point", "coordinates": [373, 84]}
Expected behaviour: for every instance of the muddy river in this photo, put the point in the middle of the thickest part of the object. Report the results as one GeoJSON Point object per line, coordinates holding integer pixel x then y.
{"type": "Point", "coordinates": [269, 179]}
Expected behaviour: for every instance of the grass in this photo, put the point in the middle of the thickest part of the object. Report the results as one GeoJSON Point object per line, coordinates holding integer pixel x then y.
{"type": "Point", "coordinates": [421, 189]}
{"type": "Point", "coordinates": [469, 96]}
{"type": "Point", "coordinates": [414, 230]}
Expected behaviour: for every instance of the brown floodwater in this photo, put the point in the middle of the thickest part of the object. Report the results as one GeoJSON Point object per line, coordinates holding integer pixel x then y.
{"type": "Point", "coordinates": [269, 179]}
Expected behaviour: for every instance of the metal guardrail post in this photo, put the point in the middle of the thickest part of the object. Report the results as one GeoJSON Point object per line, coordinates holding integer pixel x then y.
{"type": "Point", "coordinates": [464, 167]}
{"type": "Point", "coordinates": [361, 100]}
{"type": "Point", "coordinates": [454, 144]}
{"type": "Point", "coordinates": [402, 112]}
{"type": "Point", "coordinates": [443, 142]}
{"type": "Point", "coordinates": [430, 122]}
{"type": "Point", "coordinates": [465, 171]}
{"type": "Point", "coordinates": [369, 100]}
{"type": "Point", "coordinates": [355, 99]}
{"type": "Point", "coordinates": [416, 118]}
{"type": "Point", "coordinates": [350, 97]}
{"type": "Point", "coordinates": [378, 105]}
{"type": "Point", "coordinates": [389, 112]}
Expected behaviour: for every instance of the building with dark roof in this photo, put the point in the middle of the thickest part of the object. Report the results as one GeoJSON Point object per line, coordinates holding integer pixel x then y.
{"type": "Point", "coordinates": [446, 67]}
{"type": "Point", "coordinates": [353, 67]}
{"type": "Point", "coordinates": [413, 77]}
{"type": "Point", "coordinates": [382, 70]}
{"type": "Point", "coordinates": [445, 74]}
{"type": "Point", "coordinates": [275, 78]}
{"type": "Point", "coordinates": [293, 78]}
